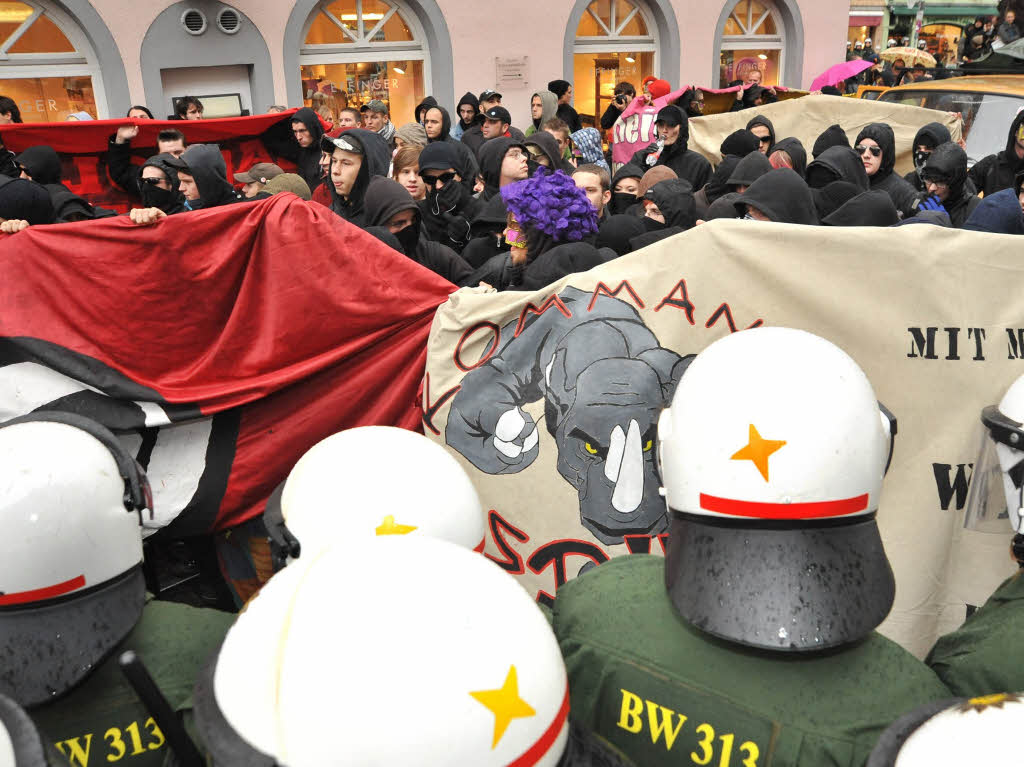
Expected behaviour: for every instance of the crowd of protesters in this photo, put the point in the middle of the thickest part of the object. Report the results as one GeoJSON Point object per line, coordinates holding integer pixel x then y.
{"type": "Point", "coordinates": [479, 201]}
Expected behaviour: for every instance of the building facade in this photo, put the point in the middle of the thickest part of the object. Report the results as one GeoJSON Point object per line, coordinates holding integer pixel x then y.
{"type": "Point", "coordinates": [63, 56]}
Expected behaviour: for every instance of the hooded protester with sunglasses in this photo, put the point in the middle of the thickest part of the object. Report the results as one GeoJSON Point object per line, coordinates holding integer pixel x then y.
{"type": "Point", "coordinates": [388, 204]}
{"type": "Point", "coordinates": [159, 185]}
{"type": "Point", "coordinates": [503, 161]}
{"type": "Point", "coordinates": [670, 149]}
{"type": "Point", "coordinates": [438, 123]}
{"type": "Point", "coordinates": [449, 208]}
{"type": "Point", "coordinates": [945, 179]}
{"type": "Point", "coordinates": [876, 145]}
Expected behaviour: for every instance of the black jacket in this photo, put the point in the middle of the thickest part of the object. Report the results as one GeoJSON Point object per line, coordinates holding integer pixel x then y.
{"type": "Point", "coordinates": [950, 161]}
{"type": "Point", "coordinates": [120, 168]}
{"type": "Point", "coordinates": [837, 163]}
{"type": "Point", "coordinates": [170, 201]}
{"type": "Point", "coordinates": [718, 185]}
{"type": "Point", "coordinates": [560, 261]}
{"type": "Point", "coordinates": [384, 199]}
{"type": "Point", "coordinates": [280, 141]}
{"type": "Point", "coordinates": [468, 166]}
{"type": "Point", "coordinates": [748, 170]}
{"type": "Point", "coordinates": [486, 230]}
{"type": "Point", "coordinates": [617, 231]}
{"type": "Point", "coordinates": [997, 171]}
{"type": "Point", "coordinates": [570, 116]}
{"type": "Point", "coordinates": [782, 196]}
{"type": "Point", "coordinates": [686, 163]}
{"type": "Point", "coordinates": [833, 135]}
{"type": "Point", "coordinates": [903, 195]}
{"type": "Point", "coordinates": [376, 162]}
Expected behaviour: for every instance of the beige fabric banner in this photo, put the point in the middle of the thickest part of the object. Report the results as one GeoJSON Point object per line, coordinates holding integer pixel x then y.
{"type": "Point", "coordinates": [807, 117]}
{"type": "Point", "coordinates": [935, 317]}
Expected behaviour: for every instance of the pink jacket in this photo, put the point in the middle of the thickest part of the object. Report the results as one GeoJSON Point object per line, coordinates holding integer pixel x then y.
{"type": "Point", "coordinates": [634, 130]}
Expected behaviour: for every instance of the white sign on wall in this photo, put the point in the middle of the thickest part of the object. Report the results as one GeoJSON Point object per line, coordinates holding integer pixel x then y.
{"type": "Point", "coordinates": [512, 73]}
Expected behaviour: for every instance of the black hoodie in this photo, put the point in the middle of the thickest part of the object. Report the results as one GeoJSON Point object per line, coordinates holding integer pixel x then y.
{"type": "Point", "coordinates": [205, 163]}
{"type": "Point", "coordinates": [427, 103]}
{"type": "Point", "coordinates": [376, 160]}
{"type": "Point", "coordinates": [168, 200]}
{"type": "Point", "coordinates": [829, 198]}
{"type": "Point", "coordinates": [930, 135]}
{"type": "Point", "coordinates": [617, 231]}
{"type": "Point", "coordinates": [748, 170]}
{"type": "Point", "coordinates": [797, 153]}
{"type": "Point", "coordinates": [486, 230]}
{"type": "Point", "coordinates": [739, 143]}
{"type": "Point", "coordinates": [548, 145]}
{"type": "Point", "coordinates": [903, 195]}
{"type": "Point", "coordinates": [468, 166]}
{"type": "Point", "coordinates": [43, 164]}
{"type": "Point", "coordinates": [561, 260]}
{"type": "Point", "coordinates": [686, 163]}
{"type": "Point", "coordinates": [477, 119]}
{"type": "Point", "coordinates": [874, 208]}
{"type": "Point", "coordinates": [25, 200]}
{"type": "Point", "coordinates": [384, 199]}
{"type": "Point", "coordinates": [782, 196]}
{"type": "Point", "coordinates": [997, 171]}
{"type": "Point", "coordinates": [948, 162]}
{"type": "Point", "coordinates": [718, 185]}
{"type": "Point", "coordinates": [623, 201]}
{"type": "Point", "coordinates": [837, 163]}
{"type": "Point", "coordinates": [492, 153]}
{"type": "Point", "coordinates": [674, 198]}
{"type": "Point", "coordinates": [762, 120]}
{"type": "Point", "coordinates": [833, 135]}
{"type": "Point", "coordinates": [280, 141]}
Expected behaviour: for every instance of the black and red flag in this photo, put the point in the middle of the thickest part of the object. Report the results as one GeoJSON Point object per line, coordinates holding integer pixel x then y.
{"type": "Point", "coordinates": [219, 345]}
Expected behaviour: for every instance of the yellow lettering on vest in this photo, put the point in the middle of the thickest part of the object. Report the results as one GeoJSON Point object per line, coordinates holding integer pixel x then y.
{"type": "Point", "coordinates": [663, 724]}
{"type": "Point", "coordinates": [74, 751]}
{"type": "Point", "coordinates": [629, 715]}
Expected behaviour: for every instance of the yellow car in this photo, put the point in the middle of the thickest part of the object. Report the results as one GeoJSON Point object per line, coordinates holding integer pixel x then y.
{"type": "Point", "coordinates": [987, 103]}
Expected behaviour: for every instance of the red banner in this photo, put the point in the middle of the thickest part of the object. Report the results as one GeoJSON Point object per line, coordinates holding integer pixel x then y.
{"type": "Point", "coordinates": [219, 345]}
{"type": "Point", "coordinates": [83, 148]}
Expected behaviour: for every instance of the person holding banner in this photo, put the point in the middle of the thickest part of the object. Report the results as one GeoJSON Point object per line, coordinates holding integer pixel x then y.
{"type": "Point", "coordinates": [752, 641]}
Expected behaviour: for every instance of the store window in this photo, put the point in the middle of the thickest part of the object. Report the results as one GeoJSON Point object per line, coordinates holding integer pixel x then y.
{"type": "Point", "coordinates": [46, 64]}
{"type": "Point", "coordinates": [358, 50]}
{"type": "Point", "coordinates": [941, 41]}
{"type": "Point", "coordinates": [752, 39]}
{"type": "Point", "coordinates": [614, 43]}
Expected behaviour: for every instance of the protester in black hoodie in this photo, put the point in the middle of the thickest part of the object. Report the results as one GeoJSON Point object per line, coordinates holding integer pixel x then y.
{"type": "Point", "coordinates": [671, 204]}
{"type": "Point", "coordinates": [831, 197]}
{"type": "Point", "coordinates": [24, 200]}
{"type": "Point", "coordinates": [762, 127]}
{"type": "Point", "coordinates": [717, 186]}
{"type": "Point", "coordinates": [625, 185]}
{"type": "Point", "coordinates": [740, 143]}
{"type": "Point", "coordinates": [298, 141]}
{"type": "Point", "coordinates": [747, 171]}
{"type": "Point", "coordinates": [780, 196]}
{"type": "Point", "coordinates": [357, 155]}
{"type": "Point", "coordinates": [494, 169]}
{"type": "Point", "coordinates": [423, 106]}
{"type": "Point", "coordinates": [929, 137]}
{"type": "Point", "coordinates": [159, 185]}
{"type": "Point", "coordinates": [945, 177]}
{"type": "Point", "coordinates": [674, 131]}
{"type": "Point", "coordinates": [486, 233]}
{"type": "Point", "coordinates": [833, 135]}
{"type": "Point", "coordinates": [874, 208]}
{"type": "Point", "coordinates": [438, 124]}
{"type": "Point", "coordinates": [388, 204]}
{"type": "Point", "coordinates": [617, 232]}
{"type": "Point", "coordinates": [879, 136]}
{"type": "Point", "coordinates": [997, 171]}
{"type": "Point", "coordinates": [42, 164]}
{"type": "Point", "coordinates": [467, 117]}
{"type": "Point", "coordinates": [449, 208]}
{"type": "Point", "coordinates": [789, 153]}
{"type": "Point", "coordinates": [203, 177]}
{"type": "Point", "coordinates": [837, 163]}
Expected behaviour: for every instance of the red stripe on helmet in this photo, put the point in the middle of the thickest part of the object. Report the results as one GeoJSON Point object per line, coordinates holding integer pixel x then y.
{"type": "Point", "coordinates": [543, 745]}
{"type": "Point", "coordinates": [48, 592]}
{"type": "Point", "coordinates": [759, 510]}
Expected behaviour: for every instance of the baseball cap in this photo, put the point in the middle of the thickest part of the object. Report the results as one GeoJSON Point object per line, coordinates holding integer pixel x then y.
{"type": "Point", "coordinates": [289, 182]}
{"type": "Point", "coordinates": [329, 144]}
{"type": "Point", "coordinates": [261, 172]}
{"type": "Point", "coordinates": [498, 113]}
{"type": "Point", "coordinates": [489, 94]}
{"type": "Point", "coordinates": [376, 105]}
{"type": "Point", "coordinates": [439, 155]}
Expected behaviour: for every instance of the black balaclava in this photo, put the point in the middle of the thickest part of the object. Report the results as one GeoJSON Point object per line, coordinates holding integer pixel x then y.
{"type": "Point", "coordinates": [948, 164]}
{"type": "Point", "coordinates": [622, 201]}
{"type": "Point", "coordinates": [882, 134]}
{"type": "Point", "coordinates": [167, 200]}
{"type": "Point", "coordinates": [930, 135]}
{"type": "Point", "coordinates": [42, 163]}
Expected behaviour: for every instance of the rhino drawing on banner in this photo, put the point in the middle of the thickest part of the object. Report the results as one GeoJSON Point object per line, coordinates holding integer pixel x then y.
{"type": "Point", "coordinates": [604, 379]}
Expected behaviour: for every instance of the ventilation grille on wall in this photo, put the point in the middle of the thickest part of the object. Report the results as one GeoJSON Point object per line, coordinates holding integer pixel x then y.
{"type": "Point", "coordinates": [194, 21]}
{"type": "Point", "coordinates": [228, 21]}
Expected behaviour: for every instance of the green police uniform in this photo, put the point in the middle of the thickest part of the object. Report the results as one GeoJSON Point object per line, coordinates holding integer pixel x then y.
{"type": "Point", "coordinates": [668, 694]}
{"type": "Point", "coordinates": [982, 656]}
{"type": "Point", "coordinates": [102, 721]}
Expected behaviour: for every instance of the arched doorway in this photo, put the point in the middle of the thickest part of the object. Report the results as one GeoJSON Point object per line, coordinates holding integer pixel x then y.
{"type": "Point", "coordinates": [357, 50]}
{"type": "Point", "coordinates": [762, 35]}
{"type": "Point", "coordinates": [47, 64]}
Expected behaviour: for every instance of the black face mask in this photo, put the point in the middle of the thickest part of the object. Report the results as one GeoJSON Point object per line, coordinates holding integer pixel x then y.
{"type": "Point", "coordinates": [409, 238]}
{"type": "Point", "coordinates": [448, 198]}
{"type": "Point", "coordinates": [621, 201]}
{"type": "Point", "coordinates": [155, 197]}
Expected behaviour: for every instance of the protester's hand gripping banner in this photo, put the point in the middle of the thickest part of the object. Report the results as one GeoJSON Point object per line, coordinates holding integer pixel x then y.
{"type": "Point", "coordinates": [550, 399]}
{"type": "Point", "coordinates": [806, 118]}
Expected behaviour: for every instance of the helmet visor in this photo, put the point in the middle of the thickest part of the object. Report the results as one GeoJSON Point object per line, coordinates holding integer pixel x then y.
{"type": "Point", "coordinates": [994, 499]}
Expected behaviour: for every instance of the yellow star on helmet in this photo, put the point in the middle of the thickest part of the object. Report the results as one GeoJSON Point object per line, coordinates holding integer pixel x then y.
{"type": "Point", "coordinates": [389, 527]}
{"type": "Point", "coordinates": [505, 704]}
{"type": "Point", "coordinates": [757, 450]}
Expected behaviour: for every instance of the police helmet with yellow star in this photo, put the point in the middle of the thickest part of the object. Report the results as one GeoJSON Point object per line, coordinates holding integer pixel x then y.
{"type": "Point", "coordinates": [954, 733]}
{"type": "Point", "coordinates": [772, 456]}
{"type": "Point", "coordinates": [373, 481]}
{"type": "Point", "coordinates": [408, 650]}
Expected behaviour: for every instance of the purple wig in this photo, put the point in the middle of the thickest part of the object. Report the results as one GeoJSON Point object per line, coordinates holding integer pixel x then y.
{"type": "Point", "coordinates": [551, 203]}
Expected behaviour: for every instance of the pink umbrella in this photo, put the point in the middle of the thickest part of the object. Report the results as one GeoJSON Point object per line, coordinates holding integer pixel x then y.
{"type": "Point", "coordinates": [843, 71]}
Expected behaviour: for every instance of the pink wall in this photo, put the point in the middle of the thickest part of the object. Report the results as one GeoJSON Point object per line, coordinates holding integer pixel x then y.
{"type": "Point", "coordinates": [483, 29]}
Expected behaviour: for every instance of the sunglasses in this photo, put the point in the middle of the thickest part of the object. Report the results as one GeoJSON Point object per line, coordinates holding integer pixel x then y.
{"type": "Point", "coordinates": [431, 180]}
{"type": "Point", "coordinates": [876, 151]}
{"type": "Point", "coordinates": [765, 139]}
{"type": "Point", "coordinates": [152, 181]}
